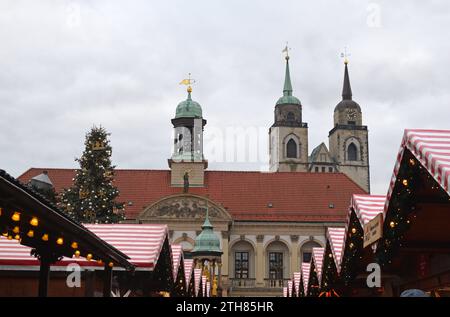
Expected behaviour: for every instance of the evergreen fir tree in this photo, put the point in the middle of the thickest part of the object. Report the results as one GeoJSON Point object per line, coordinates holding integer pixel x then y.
{"type": "Point", "coordinates": [92, 199]}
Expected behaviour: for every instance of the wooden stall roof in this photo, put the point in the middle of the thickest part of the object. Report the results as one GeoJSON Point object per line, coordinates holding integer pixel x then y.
{"type": "Point", "coordinates": [336, 237]}
{"type": "Point", "coordinates": [306, 268]}
{"type": "Point", "coordinates": [142, 243]}
{"type": "Point", "coordinates": [22, 198]}
{"type": "Point", "coordinates": [317, 257]}
{"type": "Point", "coordinates": [432, 149]}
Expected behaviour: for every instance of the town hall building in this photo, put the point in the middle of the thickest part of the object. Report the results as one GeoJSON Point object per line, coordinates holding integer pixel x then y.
{"type": "Point", "coordinates": [267, 223]}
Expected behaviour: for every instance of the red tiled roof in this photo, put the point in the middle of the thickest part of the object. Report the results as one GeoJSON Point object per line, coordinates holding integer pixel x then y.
{"type": "Point", "coordinates": [246, 195]}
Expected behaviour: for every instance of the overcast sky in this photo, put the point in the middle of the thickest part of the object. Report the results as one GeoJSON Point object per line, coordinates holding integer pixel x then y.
{"type": "Point", "coordinates": [66, 65]}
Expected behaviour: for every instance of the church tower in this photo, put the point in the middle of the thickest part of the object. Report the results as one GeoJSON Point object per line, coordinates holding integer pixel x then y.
{"type": "Point", "coordinates": [348, 140]}
{"type": "Point", "coordinates": [187, 161]}
{"type": "Point", "coordinates": [288, 136]}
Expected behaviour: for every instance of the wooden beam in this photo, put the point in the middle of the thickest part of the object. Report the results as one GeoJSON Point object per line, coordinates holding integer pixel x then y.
{"type": "Point", "coordinates": [107, 281]}
{"type": "Point", "coordinates": [44, 274]}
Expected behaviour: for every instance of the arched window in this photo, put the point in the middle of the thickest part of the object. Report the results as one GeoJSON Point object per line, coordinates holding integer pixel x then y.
{"type": "Point", "coordinates": [306, 251]}
{"type": "Point", "coordinates": [290, 116]}
{"type": "Point", "coordinates": [291, 149]}
{"type": "Point", "coordinates": [352, 152]}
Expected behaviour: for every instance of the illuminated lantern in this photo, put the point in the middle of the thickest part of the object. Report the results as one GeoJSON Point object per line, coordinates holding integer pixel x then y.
{"type": "Point", "coordinates": [74, 245]}
{"type": "Point", "coordinates": [34, 222]}
{"type": "Point", "coordinates": [16, 229]}
{"type": "Point", "coordinates": [77, 254]}
{"type": "Point", "coordinates": [16, 216]}
{"type": "Point", "coordinates": [392, 224]}
{"type": "Point", "coordinates": [353, 230]}
{"type": "Point", "coordinates": [30, 234]}
{"type": "Point", "coordinates": [17, 237]}
{"type": "Point", "coordinates": [45, 237]}
{"type": "Point", "coordinates": [89, 257]}
{"type": "Point", "coordinates": [60, 241]}
{"type": "Point", "coordinates": [405, 182]}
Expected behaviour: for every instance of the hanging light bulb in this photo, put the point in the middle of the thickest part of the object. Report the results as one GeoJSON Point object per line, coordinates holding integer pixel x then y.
{"type": "Point", "coordinates": [34, 222]}
{"type": "Point", "coordinates": [30, 234]}
{"type": "Point", "coordinates": [392, 224]}
{"type": "Point", "coordinates": [77, 254]}
{"type": "Point", "coordinates": [17, 237]}
{"type": "Point", "coordinates": [16, 216]}
{"type": "Point", "coordinates": [60, 241]}
{"type": "Point", "coordinates": [353, 230]}
{"type": "Point", "coordinates": [74, 245]}
{"type": "Point", "coordinates": [405, 182]}
{"type": "Point", "coordinates": [89, 257]}
{"type": "Point", "coordinates": [45, 237]}
{"type": "Point", "coordinates": [16, 229]}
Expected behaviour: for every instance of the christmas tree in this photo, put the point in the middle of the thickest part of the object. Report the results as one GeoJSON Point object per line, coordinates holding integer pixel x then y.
{"type": "Point", "coordinates": [92, 199]}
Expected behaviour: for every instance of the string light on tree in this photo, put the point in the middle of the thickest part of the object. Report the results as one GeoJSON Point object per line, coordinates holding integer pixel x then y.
{"type": "Point", "coordinates": [92, 199]}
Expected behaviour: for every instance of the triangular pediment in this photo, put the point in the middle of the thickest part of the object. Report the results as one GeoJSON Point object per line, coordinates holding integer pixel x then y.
{"type": "Point", "coordinates": [186, 207]}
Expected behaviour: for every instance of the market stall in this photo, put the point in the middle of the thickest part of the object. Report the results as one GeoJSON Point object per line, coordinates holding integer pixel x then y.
{"type": "Point", "coordinates": [365, 213]}
{"type": "Point", "coordinates": [415, 246]}
{"type": "Point", "coordinates": [189, 277]}
{"type": "Point", "coordinates": [331, 282]}
{"type": "Point", "coordinates": [146, 246]}
{"type": "Point", "coordinates": [315, 273]}
{"type": "Point", "coordinates": [179, 286]}
{"type": "Point", "coordinates": [35, 232]}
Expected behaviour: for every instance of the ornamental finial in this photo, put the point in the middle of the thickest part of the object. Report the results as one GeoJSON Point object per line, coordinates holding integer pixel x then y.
{"type": "Point", "coordinates": [345, 55]}
{"type": "Point", "coordinates": [188, 82]}
{"type": "Point", "coordinates": [286, 50]}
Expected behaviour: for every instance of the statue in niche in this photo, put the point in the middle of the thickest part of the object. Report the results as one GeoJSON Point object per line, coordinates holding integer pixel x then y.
{"type": "Point", "coordinates": [186, 182]}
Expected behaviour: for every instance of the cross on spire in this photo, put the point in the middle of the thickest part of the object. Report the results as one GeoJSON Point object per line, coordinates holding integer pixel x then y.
{"type": "Point", "coordinates": [286, 50]}
{"type": "Point", "coordinates": [345, 55]}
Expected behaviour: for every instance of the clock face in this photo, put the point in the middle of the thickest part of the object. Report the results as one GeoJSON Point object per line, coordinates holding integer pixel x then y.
{"type": "Point", "coordinates": [351, 114]}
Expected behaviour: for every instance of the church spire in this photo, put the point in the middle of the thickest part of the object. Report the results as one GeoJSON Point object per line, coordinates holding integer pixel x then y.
{"type": "Point", "coordinates": [287, 90]}
{"type": "Point", "coordinates": [347, 89]}
{"type": "Point", "coordinates": [287, 98]}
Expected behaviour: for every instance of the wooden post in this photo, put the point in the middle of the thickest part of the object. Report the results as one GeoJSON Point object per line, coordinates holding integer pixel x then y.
{"type": "Point", "coordinates": [44, 274]}
{"type": "Point", "coordinates": [107, 281]}
{"type": "Point", "coordinates": [89, 283]}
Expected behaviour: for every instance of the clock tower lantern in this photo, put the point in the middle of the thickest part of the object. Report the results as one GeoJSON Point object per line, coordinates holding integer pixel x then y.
{"type": "Point", "coordinates": [348, 140]}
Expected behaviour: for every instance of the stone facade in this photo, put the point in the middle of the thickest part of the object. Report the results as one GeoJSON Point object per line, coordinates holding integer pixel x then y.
{"type": "Point", "coordinates": [279, 160]}
{"type": "Point", "coordinates": [184, 214]}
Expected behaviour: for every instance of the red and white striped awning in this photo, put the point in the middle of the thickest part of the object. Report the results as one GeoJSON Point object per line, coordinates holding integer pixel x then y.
{"type": "Point", "coordinates": [336, 238]}
{"type": "Point", "coordinates": [204, 285]}
{"type": "Point", "coordinates": [141, 242]}
{"type": "Point", "coordinates": [317, 257]}
{"type": "Point", "coordinates": [297, 279]}
{"type": "Point", "coordinates": [289, 288]}
{"type": "Point", "coordinates": [366, 207]}
{"type": "Point", "coordinates": [188, 266]}
{"type": "Point", "coordinates": [306, 268]}
{"type": "Point", "coordinates": [177, 255]}
{"type": "Point", "coordinates": [197, 279]}
{"type": "Point", "coordinates": [285, 292]}
{"type": "Point", "coordinates": [432, 149]}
